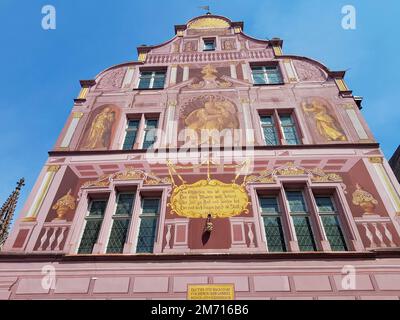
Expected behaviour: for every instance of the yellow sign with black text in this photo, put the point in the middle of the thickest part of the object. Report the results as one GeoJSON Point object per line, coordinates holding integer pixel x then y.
{"type": "Point", "coordinates": [211, 292]}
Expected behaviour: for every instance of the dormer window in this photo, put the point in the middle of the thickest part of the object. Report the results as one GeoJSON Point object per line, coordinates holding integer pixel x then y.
{"type": "Point", "coordinates": [209, 45]}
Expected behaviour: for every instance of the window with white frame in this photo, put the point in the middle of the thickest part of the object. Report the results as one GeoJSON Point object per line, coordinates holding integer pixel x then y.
{"type": "Point", "coordinates": [265, 75]}
{"type": "Point", "coordinates": [331, 222]}
{"type": "Point", "coordinates": [277, 126]}
{"type": "Point", "coordinates": [150, 133]}
{"type": "Point", "coordinates": [131, 134]}
{"type": "Point", "coordinates": [141, 133]}
{"type": "Point", "coordinates": [288, 129]}
{"type": "Point", "coordinates": [152, 79]}
{"type": "Point", "coordinates": [121, 222]}
{"type": "Point", "coordinates": [148, 225]}
{"type": "Point", "coordinates": [93, 222]}
{"type": "Point", "coordinates": [271, 216]}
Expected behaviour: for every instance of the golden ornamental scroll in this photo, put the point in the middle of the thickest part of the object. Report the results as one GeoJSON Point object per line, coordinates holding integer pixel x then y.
{"type": "Point", "coordinates": [204, 197]}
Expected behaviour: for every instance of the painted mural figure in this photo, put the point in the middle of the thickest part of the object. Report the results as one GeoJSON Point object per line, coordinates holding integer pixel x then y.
{"type": "Point", "coordinates": [215, 115]}
{"type": "Point", "coordinates": [100, 130]}
{"type": "Point", "coordinates": [228, 45]}
{"type": "Point", "coordinates": [326, 124]}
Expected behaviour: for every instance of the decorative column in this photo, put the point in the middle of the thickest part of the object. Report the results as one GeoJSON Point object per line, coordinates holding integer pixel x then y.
{"type": "Point", "coordinates": [169, 126]}
{"type": "Point", "coordinates": [244, 71]}
{"type": "Point", "coordinates": [128, 78]}
{"type": "Point", "coordinates": [172, 79]}
{"type": "Point", "coordinates": [248, 126]}
{"type": "Point", "coordinates": [186, 73]}
{"type": "Point", "coordinates": [377, 163]}
{"type": "Point", "coordinates": [76, 117]}
{"type": "Point", "coordinates": [41, 193]}
{"type": "Point", "coordinates": [43, 200]}
{"type": "Point", "coordinates": [290, 71]}
{"type": "Point", "coordinates": [355, 121]}
{"type": "Point", "coordinates": [233, 71]}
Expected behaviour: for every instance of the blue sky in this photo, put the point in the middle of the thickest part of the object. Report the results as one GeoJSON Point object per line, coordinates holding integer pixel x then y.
{"type": "Point", "coordinates": [41, 69]}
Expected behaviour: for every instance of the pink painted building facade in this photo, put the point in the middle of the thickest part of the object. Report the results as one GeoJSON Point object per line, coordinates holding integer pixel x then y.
{"type": "Point", "coordinates": [213, 159]}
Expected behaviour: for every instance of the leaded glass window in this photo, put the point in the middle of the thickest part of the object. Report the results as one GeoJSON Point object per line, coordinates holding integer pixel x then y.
{"type": "Point", "coordinates": [289, 129]}
{"type": "Point", "coordinates": [121, 222]}
{"type": "Point", "coordinates": [272, 224]}
{"type": "Point", "coordinates": [152, 80]}
{"type": "Point", "coordinates": [296, 202]}
{"type": "Point", "coordinates": [331, 223]}
{"type": "Point", "coordinates": [94, 220]}
{"type": "Point", "coordinates": [131, 133]}
{"type": "Point", "coordinates": [148, 225]}
{"type": "Point", "coordinates": [150, 133]}
{"type": "Point", "coordinates": [269, 130]}
{"type": "Point", "coordinates": [304, 233]}
{"type": "Point", "coordinates": [266, 75]}
{"type": "Point", "coordinates": [301, 220]}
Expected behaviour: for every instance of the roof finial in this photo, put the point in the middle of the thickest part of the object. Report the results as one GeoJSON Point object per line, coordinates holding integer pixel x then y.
{"type": "Point", "coordinates": [7, 211]}
{"type": "Point", "coordinates": [206, 8]}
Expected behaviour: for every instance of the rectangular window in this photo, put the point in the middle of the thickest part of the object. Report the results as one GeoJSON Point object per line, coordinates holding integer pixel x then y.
{"type": "Point", "coordinates": [301, 220]}
{"type": "Point", "coordinates": [289, 129]}
{"type": "Point", "coordinates": [272, 224]}
{"type": "Point", "coordinates": [121, 222]}
{"type": "Point", "coordinates": [148, 225]}
{"type": "Point", "coordinates": [209, 44]}
{"type": "Point", "coordinates": [94, 220]}
{"type": "Point", "coordinates": [131, 134]}
{"type": "Point", "coordinates": [331, 223]}
{"type": "Point", "coordinates": [269, 130]}
{"type": "Point", "coordinates": [150, 131]}
{"type": "Point", "coordinates": [266, 75]}
{"type": "Point", "coordinates": [152, 80]}
{"type": "Point", "coordinates": [277, 126]}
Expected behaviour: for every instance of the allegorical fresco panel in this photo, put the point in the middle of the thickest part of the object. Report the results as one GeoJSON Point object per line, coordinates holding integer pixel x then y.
{"type": "Point", "coordinates": [208, 113]}
{"type": "Point", "coordinates": [319, 114]}
{"type": "Point", "coordinates": [101, 128]}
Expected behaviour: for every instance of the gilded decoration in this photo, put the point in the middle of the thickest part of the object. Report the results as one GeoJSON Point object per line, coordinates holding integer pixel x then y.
{"type": "Point", "coordinates": [316, 174]}
{"type": "Point", "coordinates": [208, 197]}
{"type": "Point", "coordinates": [210, 79]}
{"type": "Point", "coordinates": [142, 57]}
{"type": "Point", "coordinates": [210, 114]}
{"type": "Point", "coordinates": [327, 125]}
{"type": "Point", "coordinates": [364, 199]}
{"type": "Point", "coordinates": [220, 199]}
{"type": "Point", "coordinates": [63, 205]}
{"type": "Point", "coordinates": [376, 160]}
{"type": "Point", "coordinates": [204, 197]}
{"type": "Point", "coordinates": [53, 168]}
{"type": "Point", "coordinates": [126, 175]}
{"type": "Point", "coordinates": [99, 135]}
{"type": "Point", "coordinates": [208, 23]}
